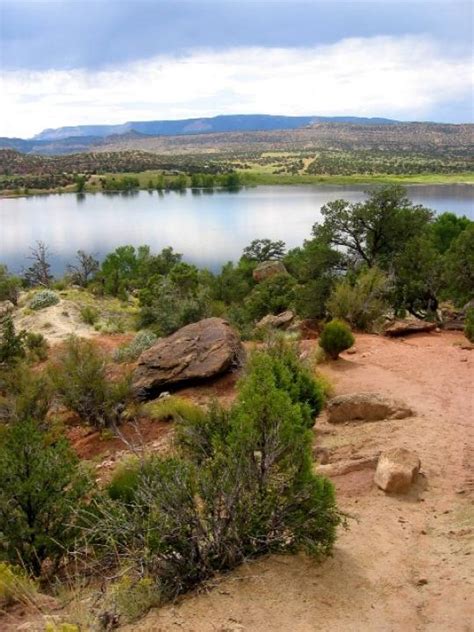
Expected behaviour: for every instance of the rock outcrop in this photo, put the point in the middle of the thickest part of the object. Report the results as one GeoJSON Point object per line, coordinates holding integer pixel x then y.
{"type": "Point", "coordinates": [365, 407]}
{"type": "Point", "coordinates": [193, 353]}
{"type": "Point", "coordinates": [397, 470]}
{"type": "Point", "coordinates": [267, 269]}
{"type": "Point", "coordinates": [409, 326]}
{"type": "Point", "coordinates": [278, 321]}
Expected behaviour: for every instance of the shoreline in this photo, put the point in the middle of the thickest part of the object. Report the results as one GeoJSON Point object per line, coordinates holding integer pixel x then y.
{"type": "Point", "coordinates": [269, 179]}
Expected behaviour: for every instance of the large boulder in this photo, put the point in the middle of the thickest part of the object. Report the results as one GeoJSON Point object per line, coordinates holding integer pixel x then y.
{"type": "Point", "coordinates": [397, 470]}
{"type": "Point", "coordinates": [267, 269]}
{"type": "Point", "coordinates": [278, 321]}
{"type": "Point", "coordinates": [193, 353]}
{"type": "Point", "coordinates": [408, 326]}
{"type": "Point", "coordinates": [365, 407]}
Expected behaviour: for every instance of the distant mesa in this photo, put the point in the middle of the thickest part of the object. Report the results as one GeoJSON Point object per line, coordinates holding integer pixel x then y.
{"type": "Point", "coordinates": [224, 123]}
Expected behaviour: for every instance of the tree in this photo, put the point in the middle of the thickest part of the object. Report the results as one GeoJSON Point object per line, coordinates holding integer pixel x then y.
{"type": "Point", "coordinates": [264, 250]}
{"type": "Point", "coordinates": [82, 271]}
{"type": "Point", "coordinates": [80, 181]}
{"type": "Point", "coordinates": [12, 345]}
{"type": "Point", "coordinates": [42, 487]}
{"type": "Point", "coordinates": [39, 273]}
{"type": "Point", "coordinates": [446, 228]}
{"type": "Point", "coordinates": [418, 276]}
{"type": "Point", "coordinates": [316, 266]}
{"type": "Point", "coordinates": [9, 286]}
{"type": "Point", "coordinates": [118, 269]}
{"type": "Point", "coordinates": [372, 232]}
{"type": "Point", "coordinates": [459, 270]}
{"type": "Point", "coordinates": [167, 306]}
{"type": "Point", "coordinates": [271, 296]}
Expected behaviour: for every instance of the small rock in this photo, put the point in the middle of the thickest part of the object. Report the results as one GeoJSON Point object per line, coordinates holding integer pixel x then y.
{"type": "Point", "coordinates": [365, 407]}
{"type": "Point", "coordinates": [351, 351]}
{"type": "Point", "coordinates": [422, 581]}
{"type": "Point", "coordinates": [321, 455]}
{"type": "Point", "coordinates": [397, 470]}
{"type": "Point", "coordinates": [280, 321]}
{"type": "Point", "coordinates": [408, 326]}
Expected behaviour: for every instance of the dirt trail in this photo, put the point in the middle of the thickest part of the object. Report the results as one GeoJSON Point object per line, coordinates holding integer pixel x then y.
{"type": "Point", "coordinates": [405, 563]}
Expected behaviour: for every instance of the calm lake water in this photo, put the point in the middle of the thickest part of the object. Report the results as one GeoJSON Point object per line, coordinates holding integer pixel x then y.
{"type": "Point", "coordinates": [208, 228]}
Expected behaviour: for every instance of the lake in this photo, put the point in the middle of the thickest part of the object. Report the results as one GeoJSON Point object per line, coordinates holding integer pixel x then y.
{"type": "Point", "coordinates": [208, 228]}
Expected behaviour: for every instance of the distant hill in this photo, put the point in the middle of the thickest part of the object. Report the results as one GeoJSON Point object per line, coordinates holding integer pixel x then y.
{"type": "Point", "coordinates": [224, 123]}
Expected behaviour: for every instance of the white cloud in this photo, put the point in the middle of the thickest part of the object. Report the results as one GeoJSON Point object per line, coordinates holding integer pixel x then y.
{"type": "Point", "coordinates": [404, 77]}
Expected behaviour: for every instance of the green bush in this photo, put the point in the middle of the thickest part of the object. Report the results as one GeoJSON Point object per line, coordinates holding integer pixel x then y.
{"type": "Point", "coordinates": [142, 341]}
{"type": "Point", "coordinates": [89, 314]}
{"type": "Point", "coordinates": [37, 347]}
{"type": "Point", "coordinates": [44, 298]}
{"type": "Point", "coordinates": [241, 484]}
{"type": "Point", "coordinates": [12, 344]}
{"type": "Point", "coordinates": [296, 379]}
{"type": "Point", "coordinates": [80, 379]}
{"type": "Point", "coordinates": [9, 286]}
{"type": "Point", "coordinates": [362, 304]}
{"type": "Point", "coordinates": [272, 296]}
{"type": "Point", "coordinates": [167, 306]}
{"type": "Point", "coordinates": [469, 325]}
{"type": "Point", "coordinates": [42, 487]}
{"type": "Point", "coordinates": [29, 393]}
{"type": "Point", "coordinates": [336, 337]}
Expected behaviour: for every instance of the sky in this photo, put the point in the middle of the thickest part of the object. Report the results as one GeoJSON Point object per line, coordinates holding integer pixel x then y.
{"type": "Point", "coordinates": [75, 62]}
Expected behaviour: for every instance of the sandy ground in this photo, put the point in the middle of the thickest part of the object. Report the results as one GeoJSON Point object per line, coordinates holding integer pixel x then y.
{"type": "Point", "coordinates": [55, 322]}
{"type": "Point", "coordinates": [405, 563]}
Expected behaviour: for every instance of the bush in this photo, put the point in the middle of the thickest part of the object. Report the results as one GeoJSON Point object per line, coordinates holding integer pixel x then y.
{"type": "Point", "coordinates": [15, 586]}
{"type": "Point", "coordinates": [272, 296]}
{"type": "Point", "coordinates": [240, 485]}
{"type": "Point", "coordinates": [37, 347]}
{"type": "Point", "coordinates": [296, 379]}
{"type": "Point", "coordinates": [89, 314]}
{"type": "Point", "coordinates": [9, 286]}
{"type": "Point", "coordinates": [44, 298]}
{"type": "Point", "coordinates": [469, 325]}
{"type": "Point", "coordinates": [171, 408]}
{"type": "Point", "coordinates": [166, 306]}
{"type": "Point", "coordinates": [12, 345]}
{"type": "Point", "coordinates": [29, 394]}
{"type": "Point", "coordinates": [142, 341]}
{"type": "Point", "coordinates": [336, 337]}
{"type": "Point", "coordinates": [41, 489]}
{"type": "Point", "coordinates": [361, 303]}
{"type": "Point", "coordinates": [80, 379]}
{"type": "Point", "coordinates": [130, 598]}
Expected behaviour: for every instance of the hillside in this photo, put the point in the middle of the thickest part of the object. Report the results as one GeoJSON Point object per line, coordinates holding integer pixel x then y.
{"type": "Point", "coordinates": [435, 139]}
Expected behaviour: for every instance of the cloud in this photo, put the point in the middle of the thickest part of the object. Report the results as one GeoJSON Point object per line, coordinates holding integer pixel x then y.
{"type": "Point", "coordinates": [400, 77]}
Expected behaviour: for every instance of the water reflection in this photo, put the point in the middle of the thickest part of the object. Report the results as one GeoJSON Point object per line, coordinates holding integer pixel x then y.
{"type": "Point", "coordinates": [208, 226]}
